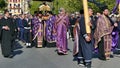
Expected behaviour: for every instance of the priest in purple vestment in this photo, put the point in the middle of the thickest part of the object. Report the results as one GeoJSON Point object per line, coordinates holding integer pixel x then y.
{"type": "Point", "coordinates": [50, 33]}
{"type": "Point", "coordinates": [62, 22]}
{"type": "Point", "coordinates": [38, 29]}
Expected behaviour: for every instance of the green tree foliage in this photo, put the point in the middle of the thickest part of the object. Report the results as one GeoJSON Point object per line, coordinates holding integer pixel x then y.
{"type": "Point", "coordinates": [109, 3]}
{"type": "Point", "coordinates": [70, 5]}
{"type": "Point", "coordinates": [3, 4]}
{"type": "Point", "coordinates": [34, 6]}
{"type": "Point", "coordinates": [73, 5]}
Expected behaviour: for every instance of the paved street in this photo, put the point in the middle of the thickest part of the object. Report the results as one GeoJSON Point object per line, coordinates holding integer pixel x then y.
{"type": "Point", "coordinates": [48, 58]}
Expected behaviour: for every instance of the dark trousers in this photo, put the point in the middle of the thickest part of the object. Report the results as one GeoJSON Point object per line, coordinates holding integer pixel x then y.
{"type": "Point", "coordinates": [85, 50]}
{"type": "Point", "coordinates": [71, 31]}
{"type": "Point", "coordinates": [21, 34]}
{"type": "Point", "coordinates": [101, 49]}
{"type": "Point", "coordinates": [27, 35]}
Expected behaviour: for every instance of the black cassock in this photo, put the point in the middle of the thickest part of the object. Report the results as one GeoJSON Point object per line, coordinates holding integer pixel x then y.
{"type": "Point", "coordinates": [6, 36]}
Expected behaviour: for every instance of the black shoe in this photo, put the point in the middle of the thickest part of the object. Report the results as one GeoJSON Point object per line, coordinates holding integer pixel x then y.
{"type": "Point", "coordinates": [102, 58]}
{"type": "Point", "coordinates": [29, 47]}
{"type": "Point", "coordinates": [117, 52]}
{"type": "Point", "coordinates": [11, 56]}
{"type": "Point", "coordinates": [111, 56]}
{"type": "Point", "coordinates": [6, 56]}
{"type": "Point", "coordinates": [80, 62]}
{"type": "Point", "coordinates": [88, 64]}
{"type": "Point", "coordinates": [73, 40]}
{"type": "Point", "coordinates": [60, 53]}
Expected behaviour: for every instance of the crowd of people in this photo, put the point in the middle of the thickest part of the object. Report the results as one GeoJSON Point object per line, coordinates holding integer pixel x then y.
{"type": "Point", "coordinates": [51, 30]}
{"type": "Point", "coordinates": [103, 39]}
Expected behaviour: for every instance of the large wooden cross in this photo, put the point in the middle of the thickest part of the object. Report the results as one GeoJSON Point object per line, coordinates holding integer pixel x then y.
{"type": "Point", "coordinates": [86, 15]}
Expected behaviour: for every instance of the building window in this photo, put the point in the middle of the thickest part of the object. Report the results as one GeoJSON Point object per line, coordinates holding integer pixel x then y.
{"type": "Point", "coordinates": [10, 6]}
{"type": "Point", "coordinates": [14, 6]}
{"type": "Point", "coordinates": [19, 5]}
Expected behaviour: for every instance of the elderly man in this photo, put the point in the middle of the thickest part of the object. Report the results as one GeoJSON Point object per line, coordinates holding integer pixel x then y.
{"type": "Point", "coordinates": [62, 23]}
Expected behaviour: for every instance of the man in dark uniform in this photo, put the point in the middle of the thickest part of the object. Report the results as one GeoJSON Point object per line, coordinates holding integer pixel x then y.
{"type": "Point", "coordinates": [15, 26]}
{"type": "Point", "coordinates": [15, 32]}
{"type": "Point", "coordinates": [86, 42]}
{"type": "Point", "coordinates": [20, 27]}
{"type": "Point", "coordinates": [6, 31]}
{"type": "Point", "coordinates": [72, 24]}
{"type": "Point", "coordinates": [27, 28]}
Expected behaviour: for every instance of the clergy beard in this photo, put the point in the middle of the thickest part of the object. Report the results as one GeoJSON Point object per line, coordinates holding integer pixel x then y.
{"type": "Point", "coordinates": [106, 15]}
{"type": "Point", "coordinates": [40, 16]}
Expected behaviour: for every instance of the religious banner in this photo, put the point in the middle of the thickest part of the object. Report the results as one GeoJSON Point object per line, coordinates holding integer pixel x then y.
{"type": "Point", "coordinates": [117, 6]}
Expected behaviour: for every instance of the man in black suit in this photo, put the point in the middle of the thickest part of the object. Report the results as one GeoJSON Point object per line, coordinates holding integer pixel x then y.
{"type": "Point", "coordinates": [7, 32]}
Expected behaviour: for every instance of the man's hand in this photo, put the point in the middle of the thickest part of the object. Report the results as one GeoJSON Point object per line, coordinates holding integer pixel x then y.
{"type": "Point", "coordinates": [115, 24]}
{"type": "Point", "coordinates": [87, 38]}
{"type": "Point", "coordinates": [90, 24]}
{"type": "Point", "coordinates": [18, 29]}
{"type": "Point", "coordinates": [29, 23]}
{"type": "Point", "coordinates": [6, 28]}
{"type": "Point", "coordinates": [30, 30]}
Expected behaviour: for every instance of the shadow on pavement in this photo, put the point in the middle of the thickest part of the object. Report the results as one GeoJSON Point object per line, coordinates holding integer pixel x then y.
{"type": "Point", "coordinates": [17, 52]}
{"type": "Point", "coordinates": [17, 45]}
{"type": "Point", "coordinates": [16, 48]}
